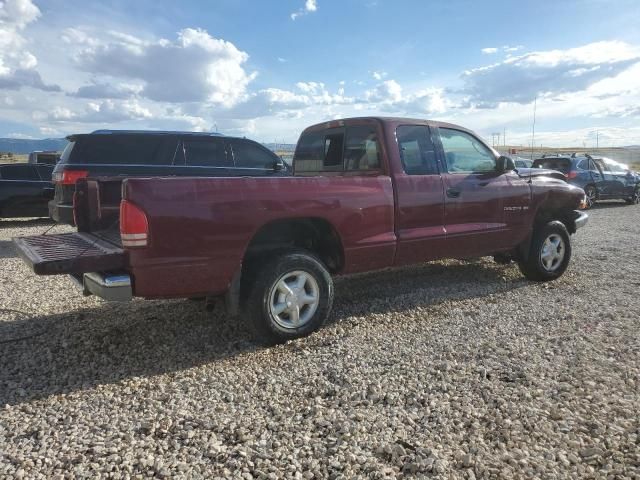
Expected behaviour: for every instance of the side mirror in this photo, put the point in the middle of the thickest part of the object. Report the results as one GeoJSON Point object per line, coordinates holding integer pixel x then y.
{"type": "Point", "coordinates": [505, 164]}
{"type": "Point", "coordinates": [279, 165]}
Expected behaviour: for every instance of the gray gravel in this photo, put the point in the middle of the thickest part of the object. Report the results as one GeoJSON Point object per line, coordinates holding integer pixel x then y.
{"type": "Point", "coordinates": [445, 370]}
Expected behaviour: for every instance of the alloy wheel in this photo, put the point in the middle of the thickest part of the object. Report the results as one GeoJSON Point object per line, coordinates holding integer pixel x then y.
{"type": "Point", "coordinates": [293, 299]}
{"type": "Point", "coordinates": [552, 252]}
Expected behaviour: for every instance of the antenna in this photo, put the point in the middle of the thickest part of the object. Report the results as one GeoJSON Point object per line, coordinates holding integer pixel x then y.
{"type": "Point", "coordinates": [533, 135]}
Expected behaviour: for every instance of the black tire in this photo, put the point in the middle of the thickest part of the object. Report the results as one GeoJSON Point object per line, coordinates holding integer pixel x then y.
{"type": "Point", "coordinates": [592, 195]}
{"type": "Point", "coordinates": [534, 267]}
{"type": "Point", "coordinates": [270, 328]}
{"type": "Point", "coordinates": [634, 199]}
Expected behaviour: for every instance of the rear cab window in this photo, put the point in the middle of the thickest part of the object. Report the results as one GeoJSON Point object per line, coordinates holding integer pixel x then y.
{"type": "Point", "coordinates": [338, 150]}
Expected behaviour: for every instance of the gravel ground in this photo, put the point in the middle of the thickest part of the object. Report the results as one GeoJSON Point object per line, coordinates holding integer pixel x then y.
{"type": "Point", "coordinates": [444, 370]}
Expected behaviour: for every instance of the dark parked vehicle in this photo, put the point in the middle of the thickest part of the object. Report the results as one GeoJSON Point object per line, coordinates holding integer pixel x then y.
{"type": "Point", "coordinates": [367, 194]}
{"type": "Point", "coordinates": [520, 162]}
{"type": "Point", "coordinates": [43, 157]}
{"type": "Point", "coordinates": [151, 154]}
{"type": "Point", "coordinates": [25, 190]}
{"type": "Point", "coordinates": [601, 178]}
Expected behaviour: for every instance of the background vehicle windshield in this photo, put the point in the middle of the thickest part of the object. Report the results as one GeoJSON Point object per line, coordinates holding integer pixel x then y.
{"type": "Point", "coordinates": [561, 164]}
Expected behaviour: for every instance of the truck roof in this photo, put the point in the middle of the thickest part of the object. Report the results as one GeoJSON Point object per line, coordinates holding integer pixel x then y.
{"type": "Point", "coordinates": [341, 122]}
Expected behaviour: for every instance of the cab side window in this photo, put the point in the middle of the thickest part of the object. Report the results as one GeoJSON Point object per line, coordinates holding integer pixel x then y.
{"type": "Point", "coordinates": [465, 154]}
{"type": "Point", "coordinates": [416, 150]}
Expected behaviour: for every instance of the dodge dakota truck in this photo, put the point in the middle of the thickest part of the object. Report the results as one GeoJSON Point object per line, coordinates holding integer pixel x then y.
{"type": "Point", "coordinates": [366, 194]}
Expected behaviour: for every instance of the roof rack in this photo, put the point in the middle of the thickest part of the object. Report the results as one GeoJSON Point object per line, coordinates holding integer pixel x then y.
{"type": "Point", "coordinates": [154, 132]}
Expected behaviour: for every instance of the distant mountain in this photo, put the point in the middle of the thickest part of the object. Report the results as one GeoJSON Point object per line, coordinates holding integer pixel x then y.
{"type": "Point", "coordinates": [22, 146]}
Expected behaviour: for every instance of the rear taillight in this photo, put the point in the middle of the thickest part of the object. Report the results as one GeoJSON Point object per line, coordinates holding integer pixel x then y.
{"type": "Point", "coordinates": [69, 177]}
{"type": "Point", "coordinates": [572, 174]}
{"type": "Point", "coordinates": [134, 228]}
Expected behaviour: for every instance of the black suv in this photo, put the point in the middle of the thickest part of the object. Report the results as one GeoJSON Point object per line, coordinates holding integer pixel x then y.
{"type": "Point", "coordinates": [25, 190]}
{"type": "Point", "coordinates": [129, 153]}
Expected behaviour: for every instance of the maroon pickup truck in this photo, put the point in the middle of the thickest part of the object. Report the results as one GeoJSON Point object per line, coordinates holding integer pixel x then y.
{"type": "Point", "coordinates": [367, 194]}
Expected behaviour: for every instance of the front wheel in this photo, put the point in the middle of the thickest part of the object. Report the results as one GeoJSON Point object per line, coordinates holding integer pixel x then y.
{"type": "Point", "coordinates": [634, 199]}
{"type": "Point", "coordinates": [291, 297]}
{"type": "Point", "coordinates": [591, 195]}
{"type": "Point", "coordinates": [549, 254]}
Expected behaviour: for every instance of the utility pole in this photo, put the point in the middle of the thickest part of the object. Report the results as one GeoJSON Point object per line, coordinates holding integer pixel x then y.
{"type": "Point", "coordinates": [504, 136]}
{"type": "Point", "coordinates": [533, 129]}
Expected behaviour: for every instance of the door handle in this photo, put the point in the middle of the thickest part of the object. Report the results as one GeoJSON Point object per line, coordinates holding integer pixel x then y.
{"type": "Point", "coordinates": [453, 192]}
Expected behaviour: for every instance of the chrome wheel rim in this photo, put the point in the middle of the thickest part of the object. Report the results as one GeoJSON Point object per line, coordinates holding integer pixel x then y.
{"type": "Point", "coordinates": [552, 252]}
{"type": "Point", "coordinates": [293, 299]}
{"type": "Point", "coordinates": [591, 196]}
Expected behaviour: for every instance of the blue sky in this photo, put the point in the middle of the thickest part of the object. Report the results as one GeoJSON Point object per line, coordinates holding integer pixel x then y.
{"type": "Point", "coordinates": [266, 69]}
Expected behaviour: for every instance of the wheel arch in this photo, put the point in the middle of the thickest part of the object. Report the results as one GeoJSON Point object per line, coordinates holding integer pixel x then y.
{"type": "Point", "coordinates": [313, 234]}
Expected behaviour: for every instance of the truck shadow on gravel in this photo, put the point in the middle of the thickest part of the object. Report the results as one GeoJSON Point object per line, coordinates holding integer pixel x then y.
{"type": "Point", "coordinates": [65, 353]}
{"type": "Point", "coordinates": [25, 222]}
{"type": "Point", "coordinates": [7, 250]}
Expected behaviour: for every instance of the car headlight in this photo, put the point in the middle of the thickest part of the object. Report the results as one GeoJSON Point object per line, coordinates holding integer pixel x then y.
{"type": "Point", "coordinates": [583, 202]}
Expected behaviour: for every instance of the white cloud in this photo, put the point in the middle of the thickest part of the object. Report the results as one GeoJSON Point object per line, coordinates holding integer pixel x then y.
{"type": "Point", "coordinates": [102, 112]}
{"type": "Point", "coordinates": [388, 91]}
{"type": "Point", "coordinates": [196, 67]}
{"type": "Point", "coordinates": [17, 64]}
{"type": "Point", "coordinates": [389, 96]}
{"type": "Point", "coordinates": [521, 78]}
{"type": "Point", "coordinates": [18, 13]}
{"type": "Point", "coordinates": [378, 75]}
{"type": "Point", "coordinates": [505, 48]}
{"type": "Point", "coordinates": [20, 136]}
{"type": "Point", "coordinates": [310, 87]}
{"type": "Point", "coordinates": [310, 6]}
{"type": "Point", "coordinates": [512, 49]}
{"type": "Point", "coordinates": [105, 90]}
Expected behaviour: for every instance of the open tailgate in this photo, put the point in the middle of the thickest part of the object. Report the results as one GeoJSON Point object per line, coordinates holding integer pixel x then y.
{"type": "Point", "coordinates": [76, 252]}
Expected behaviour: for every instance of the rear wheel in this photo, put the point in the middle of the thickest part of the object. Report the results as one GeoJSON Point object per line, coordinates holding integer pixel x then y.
{"type": "Point", "coordinates": [592, 195]}
{"type": "Point", "coordinates": [549, 254]}
{"type": "Point", "coordinates": [291, 296]}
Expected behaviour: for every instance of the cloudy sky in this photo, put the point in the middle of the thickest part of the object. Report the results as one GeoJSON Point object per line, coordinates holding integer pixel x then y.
{"type": "Point", "coordinates": [266, 69]}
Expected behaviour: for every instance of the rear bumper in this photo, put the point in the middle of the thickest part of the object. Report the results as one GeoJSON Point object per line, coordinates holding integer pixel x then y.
{"type": "Point", "coordinates": [113, 287]}
{"type": "Point", "coordinates": [61, 212]}
{"type": "Point", "coordinates": [582, 218]}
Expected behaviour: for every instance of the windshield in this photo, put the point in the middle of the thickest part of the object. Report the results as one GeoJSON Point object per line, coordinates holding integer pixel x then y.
{"type": "Point", "coordinates": [616, 167]}
{"type": "Point", "coordinates": [561, 164]}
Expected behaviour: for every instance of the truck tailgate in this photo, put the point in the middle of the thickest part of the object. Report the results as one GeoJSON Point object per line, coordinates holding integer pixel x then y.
{"type": "Point", "coordinates": [76, 252]}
